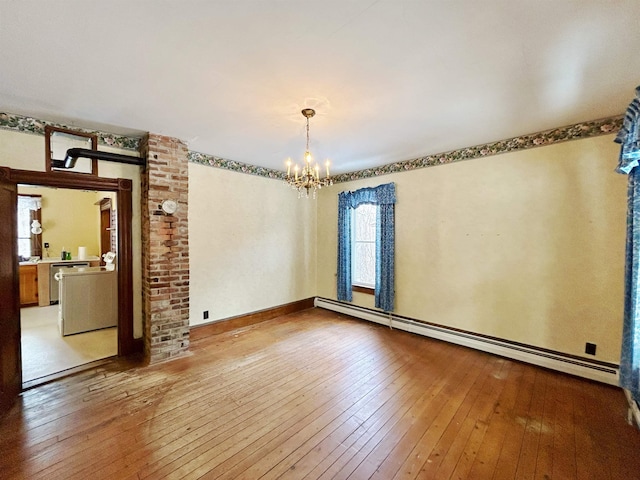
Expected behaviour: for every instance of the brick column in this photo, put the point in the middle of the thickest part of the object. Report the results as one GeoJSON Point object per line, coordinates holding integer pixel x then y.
{"type": "Point", "coordinates": [165, 249]}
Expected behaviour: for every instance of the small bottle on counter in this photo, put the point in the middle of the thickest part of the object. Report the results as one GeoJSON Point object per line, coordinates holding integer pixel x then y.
{"type": "Point", "coordinates": [63, 254]}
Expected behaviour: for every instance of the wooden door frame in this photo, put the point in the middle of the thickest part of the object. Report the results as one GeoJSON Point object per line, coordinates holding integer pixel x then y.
{"type": "Point", "coordinates": [123, 187]}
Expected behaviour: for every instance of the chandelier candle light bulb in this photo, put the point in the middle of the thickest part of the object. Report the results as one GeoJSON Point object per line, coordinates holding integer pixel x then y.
{"type": "Point", "coordinates": [308, 179]}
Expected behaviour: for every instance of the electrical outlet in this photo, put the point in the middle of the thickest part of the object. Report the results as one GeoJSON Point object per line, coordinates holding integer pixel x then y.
{"type": "Point", "coordinates": [46, 244]}
{"type": "Point", "coordinates": [205, 314]}
{"type": "Point", "coordinates": [590, 348]}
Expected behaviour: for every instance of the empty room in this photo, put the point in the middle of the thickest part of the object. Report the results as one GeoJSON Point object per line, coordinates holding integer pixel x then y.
{"type": "Point", "coordinates": [319, 240]}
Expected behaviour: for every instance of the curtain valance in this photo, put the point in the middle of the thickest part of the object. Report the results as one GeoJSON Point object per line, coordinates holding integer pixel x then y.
{"type": "Point", "coordinates": [380, 195]}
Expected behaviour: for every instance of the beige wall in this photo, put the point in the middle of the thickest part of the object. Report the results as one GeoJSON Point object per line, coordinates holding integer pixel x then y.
{"type": "Point", "coordinates": [27, 152]}
{"type": "Point", "coordinates": [252, 244]}
{"type": "Point", "coordinates": [70, 219]}
{"type": "Point", "coordinates": [526, 246]}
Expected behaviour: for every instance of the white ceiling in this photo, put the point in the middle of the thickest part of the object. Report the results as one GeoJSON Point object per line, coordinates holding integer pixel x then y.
{"type": "Point", "coordinates": [390, 80]}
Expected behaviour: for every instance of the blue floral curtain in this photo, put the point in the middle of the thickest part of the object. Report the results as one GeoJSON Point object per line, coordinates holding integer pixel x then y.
{"type": "Point", "coordinates": [629, 137]}
{"type": "Point", "coordinates": [384, 196]}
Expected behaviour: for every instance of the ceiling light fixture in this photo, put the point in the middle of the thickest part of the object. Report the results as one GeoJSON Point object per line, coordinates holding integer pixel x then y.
{"type": "Point", "coordinates": [308, 179]}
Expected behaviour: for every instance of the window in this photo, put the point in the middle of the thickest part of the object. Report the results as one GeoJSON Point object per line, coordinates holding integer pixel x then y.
{"type": "Point", "coordinates": [363, 259]}
{"type": "Point", "coordinates": [366, 243]}
{"type": "Point", "coordinates": [29, 226]}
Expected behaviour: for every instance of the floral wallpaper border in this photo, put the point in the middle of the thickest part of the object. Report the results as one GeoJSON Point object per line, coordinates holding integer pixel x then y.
{"type": "Point", "coordinates": [213, 161]}
{"type": "Point", "coordinates": [577, 131]}
{"type": "Point", "coordinates": [556, 135]}
{"type": "Point", "coordinates": [32, 125]}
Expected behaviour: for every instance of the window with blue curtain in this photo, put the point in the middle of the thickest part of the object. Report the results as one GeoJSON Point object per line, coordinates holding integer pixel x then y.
{"type": "Point", "coordinates": [629, 138]}
{"type": "Point", "coordinates": [384, 197]}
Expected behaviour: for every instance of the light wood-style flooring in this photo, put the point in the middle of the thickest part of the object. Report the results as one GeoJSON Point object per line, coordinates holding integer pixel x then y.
{"type": "Point", "coordinates": [317, 395]}
{"type": "Point", "coordinates": [45, 351]}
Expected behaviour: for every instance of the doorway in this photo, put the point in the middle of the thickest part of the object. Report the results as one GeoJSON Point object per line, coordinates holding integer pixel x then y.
{"type": "Point", "coordinates": [10, 351]}
{"type": "Point", "coordinates": [70, 221]}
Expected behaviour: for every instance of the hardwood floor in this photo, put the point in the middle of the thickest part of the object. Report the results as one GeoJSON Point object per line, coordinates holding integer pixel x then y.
{"type": "Point", "coordinates": [317, 395]}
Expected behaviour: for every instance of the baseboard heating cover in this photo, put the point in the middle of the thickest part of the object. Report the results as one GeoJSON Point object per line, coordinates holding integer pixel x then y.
{"type": "Point", "coordinates": [598, 371]}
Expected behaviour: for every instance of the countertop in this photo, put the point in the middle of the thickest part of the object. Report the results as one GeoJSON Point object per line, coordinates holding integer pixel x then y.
{"type": "Point", "coordinates": [57, 260]}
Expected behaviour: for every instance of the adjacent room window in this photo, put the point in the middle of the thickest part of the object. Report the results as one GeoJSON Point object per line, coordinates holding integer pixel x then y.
{"type": "Point", "coordinates": [366, 243]}
{"type": "Point", "coordinates": [363, 261]}
{"type": "Point", "coordinates": [29, 226]}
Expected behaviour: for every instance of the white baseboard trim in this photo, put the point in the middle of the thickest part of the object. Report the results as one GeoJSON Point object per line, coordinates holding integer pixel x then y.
{"type": "Point", "coordinates": [605, 373]}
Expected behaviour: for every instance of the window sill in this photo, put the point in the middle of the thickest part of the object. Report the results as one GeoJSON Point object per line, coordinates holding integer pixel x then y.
{"type": "Point", "coordinates": [359, 289]}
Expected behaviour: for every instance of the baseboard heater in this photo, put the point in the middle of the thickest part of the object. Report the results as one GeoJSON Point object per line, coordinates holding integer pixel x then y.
{"type": "Point", "coordinates": [599, 371]}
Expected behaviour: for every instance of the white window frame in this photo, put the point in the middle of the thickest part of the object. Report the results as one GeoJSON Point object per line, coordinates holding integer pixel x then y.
{"type": "Point", "coordinates": [354, 242]}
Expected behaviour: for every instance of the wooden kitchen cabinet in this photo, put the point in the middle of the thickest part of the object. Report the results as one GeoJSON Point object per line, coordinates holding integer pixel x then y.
{"type": "Point", "coordinates": [28, 285]}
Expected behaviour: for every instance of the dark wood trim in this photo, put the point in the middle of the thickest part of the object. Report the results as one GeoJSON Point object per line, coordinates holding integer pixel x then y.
{"type": "Point", "coordinates": [198, 332]}
{"type": "Point", "coordinates": [359, 289]}
{"type": "Point", "coordinates": [48, 130]}
{"type": "Point", "coordinates": [126, 342]}
{"type": "Point", "coordinates": [123, 187]}
{"type": "Point", "coordinates": [65, 180]}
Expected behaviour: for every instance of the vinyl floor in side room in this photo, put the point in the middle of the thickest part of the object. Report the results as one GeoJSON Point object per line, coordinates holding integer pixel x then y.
{"type": "Point", "coordinates": [317, 395]}
{"type": "Point", "coordinates": [45, 351]}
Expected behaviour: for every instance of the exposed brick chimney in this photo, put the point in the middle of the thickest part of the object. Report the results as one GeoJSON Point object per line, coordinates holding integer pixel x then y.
{"type": "Point", "coordinates": [165, 249]}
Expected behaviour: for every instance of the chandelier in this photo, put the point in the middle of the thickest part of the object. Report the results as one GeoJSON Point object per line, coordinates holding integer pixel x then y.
{"type": "Point", "coordinates": [308, 179]}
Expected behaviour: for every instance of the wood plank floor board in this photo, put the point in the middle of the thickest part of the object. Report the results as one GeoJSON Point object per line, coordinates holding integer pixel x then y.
{"type": "Point", "coordinates": [526, 463]}
{"type": "Point", "coordinates": [279, 421]}
{"type": "Point", "coordinates": [370, 455]}
{"type": "Point", "coordinates": [226, 412]}
{"type": "Point", "coordinates": [418, 442]}
{"type": "Point", "coordinates": [486, 404]}
{"type": "Point", "coordinates": [439, 460]}
{"type": "Point", "coordinates": [606, 417]}
{"type": "Point", "coordinates": [564, 445]}
{"type": "Point", "coordinates": [282, 450]}
{"type": "Point", "coordinates": [400, 402]}
{"type": "Point", "coordinates": [323, 373]}
{"type": "Point", "coordinates": [116, 412]}
{"type": "Point", "coordinates": [361, 410]}
{"type": "Point", "coordinates": [544, 460]}
{"type": "Point", "coordinates": [283, 409]}
{"type": "Point", "coordinates": [479, 455]}
{"type": "Point", "coordinates": [356, 446]}
{"type": "Point", "coordinates": [320, 395]}
{"type": "Point", "coordinates": [513, 422]}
